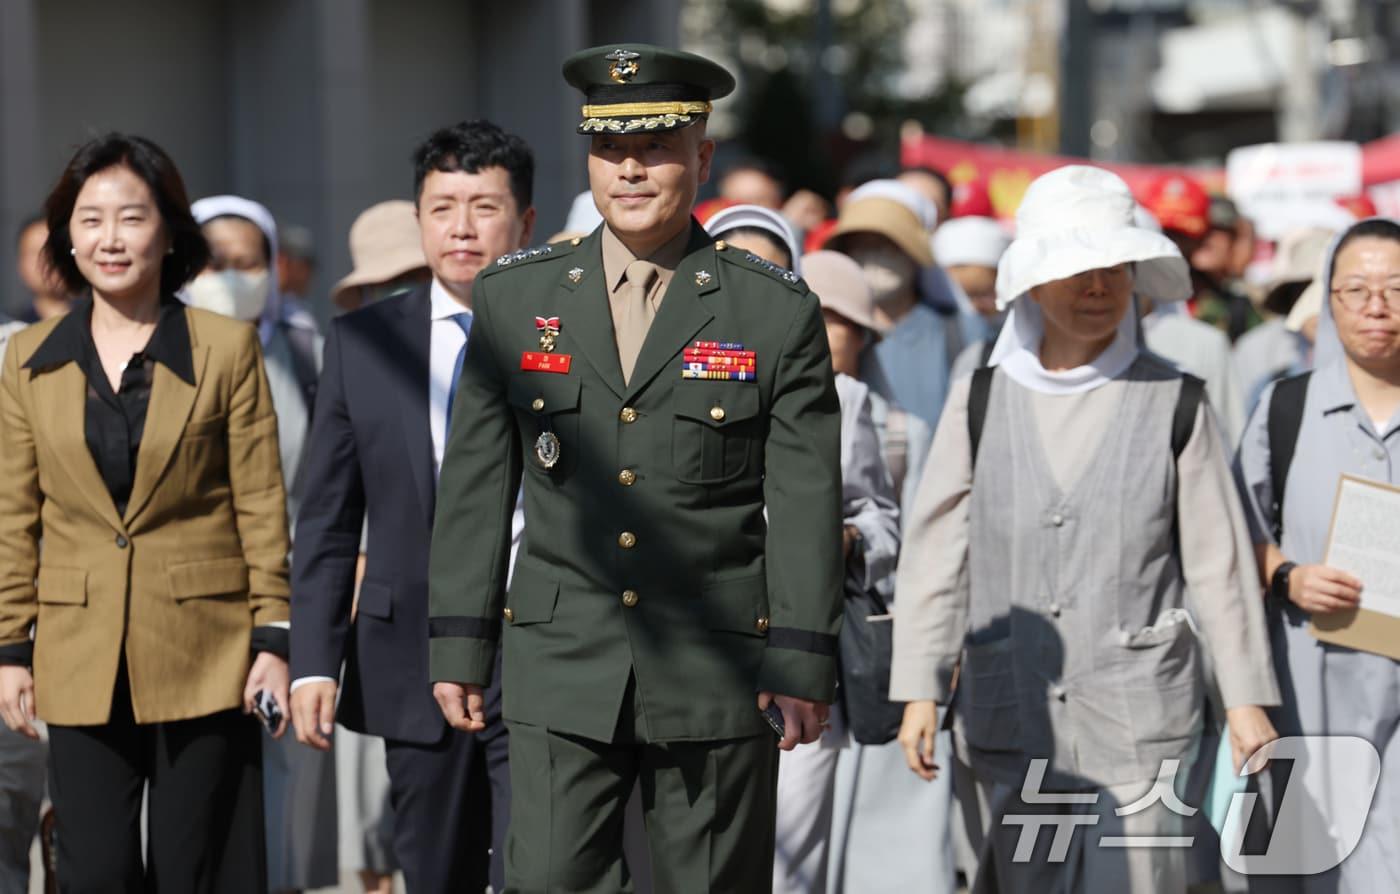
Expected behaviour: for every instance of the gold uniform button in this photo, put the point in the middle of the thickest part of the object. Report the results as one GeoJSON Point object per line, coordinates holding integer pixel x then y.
{"type": "Point", "coordinates": [761, 625]}
{"type": "Point", "coordinates": [717, 414]}
{"type": "Point", "coordinates": [629, 598]}
{"type": "Point", "coordinates": [626, 540]}
{"type": "Point", "coordinates": [628, 415]}
{"type": "Point", "coordinates": [627, 478]}
{"type": "Point", "coordinates": [537, 404]}
{"type": "Point", "coordinates": [508, 615]}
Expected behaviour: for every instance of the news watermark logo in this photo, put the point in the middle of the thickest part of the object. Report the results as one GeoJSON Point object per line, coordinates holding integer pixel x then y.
{"type": "Point", "coordinates": [1317, 825]}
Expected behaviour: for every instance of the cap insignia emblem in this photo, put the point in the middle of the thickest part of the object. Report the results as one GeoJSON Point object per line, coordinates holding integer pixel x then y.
{"type": "Point", "coordinates": [624, 65]}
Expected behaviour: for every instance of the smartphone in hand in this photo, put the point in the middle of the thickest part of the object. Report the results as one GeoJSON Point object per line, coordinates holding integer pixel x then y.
{"type": "Point", "coordinates": [270, 715]}
{"type": "Point", "coordinates": [774, 715]}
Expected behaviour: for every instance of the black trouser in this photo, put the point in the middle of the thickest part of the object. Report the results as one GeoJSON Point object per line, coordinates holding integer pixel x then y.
{"type": "Point", "coordinates": [205, 811]}
{"type": "Point", "coordinates": [452, 806]}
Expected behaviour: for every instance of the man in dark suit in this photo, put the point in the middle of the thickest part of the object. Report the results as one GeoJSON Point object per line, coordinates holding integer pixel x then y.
{"type": "Point", "coordinates": [380, 427]}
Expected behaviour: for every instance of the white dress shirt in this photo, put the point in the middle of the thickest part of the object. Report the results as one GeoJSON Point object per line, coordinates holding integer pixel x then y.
{"type": "Point", "coordinates": [446, 343]}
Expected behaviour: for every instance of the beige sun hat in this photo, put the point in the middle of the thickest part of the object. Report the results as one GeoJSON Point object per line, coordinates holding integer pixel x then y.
{"type": "Point", "coordinates": [1298, 257]}
{"type": "Point", "coordinates": [887, 217]}
{"type": "Point", "coordinates": [841, 288]}
{"type": "Point", "coordinates": [384, 245]}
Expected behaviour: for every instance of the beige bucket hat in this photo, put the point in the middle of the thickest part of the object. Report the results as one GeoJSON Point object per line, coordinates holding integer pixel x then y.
{"type": "Point", "coordinates": [384, 245]}
{"type": "Point", "coordinates": [891, 219]}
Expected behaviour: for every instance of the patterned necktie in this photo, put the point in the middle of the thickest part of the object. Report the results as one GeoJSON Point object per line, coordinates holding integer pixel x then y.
{"type": "Point", "coordinates": [637, 315]}
{"type": "Point", "coordinates": [463, 320]}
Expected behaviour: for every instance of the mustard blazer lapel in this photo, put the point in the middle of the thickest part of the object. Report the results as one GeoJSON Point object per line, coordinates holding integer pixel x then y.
{"type": "Point", "coordinates": [172, 399]}
{"type": "Point", "coordinates": [64, 392]}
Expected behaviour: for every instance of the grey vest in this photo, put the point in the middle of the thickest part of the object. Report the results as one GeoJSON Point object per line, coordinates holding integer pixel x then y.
{"type": "Point", "coordinates": [1079, 649]}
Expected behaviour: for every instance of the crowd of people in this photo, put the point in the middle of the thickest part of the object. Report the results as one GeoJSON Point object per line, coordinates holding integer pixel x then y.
{"type": "Point", "coordinates": [504, 620]}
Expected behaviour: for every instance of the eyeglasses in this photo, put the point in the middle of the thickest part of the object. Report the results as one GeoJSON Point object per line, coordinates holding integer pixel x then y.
{"type": "Point", "coordinates": [1356, 297]}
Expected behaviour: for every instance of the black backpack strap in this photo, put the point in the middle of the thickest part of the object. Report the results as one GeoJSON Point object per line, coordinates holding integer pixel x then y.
{"type": "Point", "coordinates": [1284, 422]}
{"type": "Point", "coordinates": [978, 396]}
{"type": "Point", "coordinates": [1188, 403]}
{"type": "Point", "coordinates": [988, 345]}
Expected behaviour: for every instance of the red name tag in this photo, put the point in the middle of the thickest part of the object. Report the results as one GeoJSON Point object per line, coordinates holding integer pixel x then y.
{"type": "Point", "coordinates": [538, 361]}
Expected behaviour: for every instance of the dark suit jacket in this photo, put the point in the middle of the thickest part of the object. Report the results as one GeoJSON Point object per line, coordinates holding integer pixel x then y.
{"type": "Point", "coordinates": [370, 452]}
{"type": "Point", "coordinates": [646, 548]}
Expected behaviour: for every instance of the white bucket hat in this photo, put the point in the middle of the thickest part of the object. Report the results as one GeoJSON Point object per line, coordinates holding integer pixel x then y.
{"type": "Point", "coordinates": [1080, 218]}
{"type": "Point", "coordinates": [970, 241]}
{"type": "Point", "coordinates": [753, 216]}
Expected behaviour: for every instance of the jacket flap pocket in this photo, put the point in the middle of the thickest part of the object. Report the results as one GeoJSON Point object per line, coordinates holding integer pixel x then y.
{"type": "Point", "coordinates": [210, 577]}
{"type": "Point", "coordinates": [62, 586]}
{"type": "Point", "coordinates": [544, 392]}
{"type": "Point", "coordinates": [376, 600]}
{"type": "Point", "coordinates": [738, 605]}
{"type": "Point", "coordinates": [718, 405]}
{"type": "Point", "coordinates": [533, 593]}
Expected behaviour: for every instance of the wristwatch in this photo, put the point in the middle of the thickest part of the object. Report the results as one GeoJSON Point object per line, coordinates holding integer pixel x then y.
{"type": "Point", "coordinates": [1278, 584]}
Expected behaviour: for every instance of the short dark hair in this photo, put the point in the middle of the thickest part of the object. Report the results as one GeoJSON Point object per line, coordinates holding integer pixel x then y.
{"type": "Point", "coordinates": [189, 253]}
{"type": "Point", "coordinates": [470, 146]}
{"type": "Point", "coordinates": [1374, 227]}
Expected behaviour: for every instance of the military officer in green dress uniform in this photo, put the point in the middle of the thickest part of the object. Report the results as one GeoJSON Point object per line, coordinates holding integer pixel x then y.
{"type": "Point", "coordinates": [668, 402]}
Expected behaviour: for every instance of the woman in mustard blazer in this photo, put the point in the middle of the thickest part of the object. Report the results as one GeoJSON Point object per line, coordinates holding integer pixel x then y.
{"type": "Point", "coordinates": [143, 542]}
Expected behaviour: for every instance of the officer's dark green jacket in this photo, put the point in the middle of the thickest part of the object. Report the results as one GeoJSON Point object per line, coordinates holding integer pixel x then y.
{"type": "Point", "coordinates": [646, 547]}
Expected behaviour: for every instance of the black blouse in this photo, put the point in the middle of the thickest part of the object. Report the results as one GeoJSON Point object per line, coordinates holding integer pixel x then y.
{"type": "Point", "coordinates": [115, 421]}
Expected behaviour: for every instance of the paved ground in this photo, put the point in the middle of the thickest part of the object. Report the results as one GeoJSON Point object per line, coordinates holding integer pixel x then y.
{"type": "Point", "coordinates": [348, 883]}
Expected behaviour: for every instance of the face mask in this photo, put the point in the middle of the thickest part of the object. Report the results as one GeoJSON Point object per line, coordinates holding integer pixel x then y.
{"type": "Point", "coordinates": [887, 271]}
{"type": "Point", "coordinates": [232, 293]}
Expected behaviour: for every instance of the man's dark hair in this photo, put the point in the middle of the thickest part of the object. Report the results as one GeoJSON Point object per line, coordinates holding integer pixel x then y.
{"type": "Point", "coordinates": [471, 146]}
{"type": "Point", "coordinates": [936, 174]}
{"type": "Point", "coordinates": [24, 225]}
{"type": "Point", "coordinates": [189, 253]}
{"type": "Point", "coordinates": [1375, 227]}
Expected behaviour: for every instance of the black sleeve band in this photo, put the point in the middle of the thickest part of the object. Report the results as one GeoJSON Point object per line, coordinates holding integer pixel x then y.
{"type": "Point", "coordinates": [20, 654]}
{"type": "Point", "coordinates": [277, 640]}
{"type": "Point", "coordinates": [461, 625]}
{"type": "Point", "coordinates": [801, 640]}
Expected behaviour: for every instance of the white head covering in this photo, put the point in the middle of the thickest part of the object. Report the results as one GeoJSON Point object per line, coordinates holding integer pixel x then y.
{"type": "Point", "coordinates": [765, 219]}
{"type": "Point", "coordinates": [584, 216]}
{"type": "Point", "coordinates": [973, 241]}
{"type": "Point", "coordinates": [276, 311]}
{"type": "Point", "coordinates": [1074, 219]}
{"type": "Point", "coordinates": [904, 194]}
{"type": "Point", "coordinates": [1327, 347]}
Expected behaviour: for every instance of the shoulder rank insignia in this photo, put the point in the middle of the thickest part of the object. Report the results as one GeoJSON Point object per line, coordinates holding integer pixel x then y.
{"type": "Point", "coordinates": [781, 272]}
{"type": "Point", "coordinates": [624, 65]}
{"type": "Point", "coordinates": [525, 254]}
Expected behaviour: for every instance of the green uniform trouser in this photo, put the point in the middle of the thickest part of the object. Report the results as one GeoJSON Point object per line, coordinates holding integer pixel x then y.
{"type": "Point", "coordinates": [709, 808]}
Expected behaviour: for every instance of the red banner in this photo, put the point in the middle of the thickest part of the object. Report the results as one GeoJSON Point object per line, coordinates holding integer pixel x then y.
{"type": "Point", "coordinates": [1003, 174]}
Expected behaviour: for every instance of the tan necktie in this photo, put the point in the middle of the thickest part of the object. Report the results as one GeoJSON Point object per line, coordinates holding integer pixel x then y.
{"type": "Point", "coordinates": [637, 315]}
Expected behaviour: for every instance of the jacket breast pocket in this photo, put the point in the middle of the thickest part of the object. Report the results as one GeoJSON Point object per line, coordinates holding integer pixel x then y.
{"type": "Point", "coordinates": [547, 405]}
{"type": "Point", "coordinates": [716, 430]}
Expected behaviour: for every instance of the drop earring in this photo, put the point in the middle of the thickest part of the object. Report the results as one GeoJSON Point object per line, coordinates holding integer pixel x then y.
{"type": "Point", "coordinates": [73, 252]}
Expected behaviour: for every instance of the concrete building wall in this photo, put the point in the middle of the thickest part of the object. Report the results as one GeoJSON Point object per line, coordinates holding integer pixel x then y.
{"type": "Point", "coordinates": [312, 107]}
